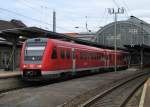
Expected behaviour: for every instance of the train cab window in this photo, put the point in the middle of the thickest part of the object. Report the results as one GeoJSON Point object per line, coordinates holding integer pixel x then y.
{"type": "Point", "coordinates": [54, 53]}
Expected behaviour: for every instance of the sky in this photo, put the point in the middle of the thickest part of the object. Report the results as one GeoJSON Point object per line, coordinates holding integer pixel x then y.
{"type": "Point", "coordinates": [72, 15]}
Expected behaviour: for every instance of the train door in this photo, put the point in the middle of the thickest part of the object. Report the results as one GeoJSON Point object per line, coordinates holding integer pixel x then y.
{"type": "Point", "coordinates": [107, 60]}
{"type": "Point", "coordinates": [73, 61]}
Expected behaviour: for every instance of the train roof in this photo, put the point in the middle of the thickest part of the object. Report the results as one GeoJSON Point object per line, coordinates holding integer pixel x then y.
{"type": "Point", "coordinates": [75, 45]}
{"type": "Point", "coordinates": [72, 44]}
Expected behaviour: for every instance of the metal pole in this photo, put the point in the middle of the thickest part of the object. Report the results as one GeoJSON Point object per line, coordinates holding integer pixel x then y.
{"type": "Point", "coordinates": [141, 58]}
{"type": "Point", "coordinates": [54, 21]}
{"type": "Point", "coordinates": [86, 25]}
{"type": "Point", "coordinates": [14, 54]}
{"type": "Point", "coordinates": [115, 41]}
{"type": "Point", "coordinates": [112, 11]}
{"type": "Point", "coordinates": [142, 46]}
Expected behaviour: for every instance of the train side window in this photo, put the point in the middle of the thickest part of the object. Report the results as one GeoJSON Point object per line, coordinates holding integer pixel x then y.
{"type": "Point", "coordinates": [54, 53]}
{"type": "Point", "coordinates": [93, 56]}
{"type": "Point", "coordinates": [76, 56]}
{"type": "Point", "coordinates": [88, 56]}
{"type": "Point", "coordinates": [62, 54]}
{"type": "Point", "coordinates": [102, 57]}
{"type": "Point", "coordinates": [68, 54]}
{"type": "Point", "coordinates": [84, 56]}
{"type": "Point", "coordinates": [81, 55]}
{"type": "Point", "coordinates": [97, 56]}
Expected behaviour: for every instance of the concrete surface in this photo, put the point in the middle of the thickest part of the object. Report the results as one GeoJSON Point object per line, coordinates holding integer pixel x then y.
{"type": "Point", "coordinates": [9, 74]}
{"type": "Point", "coordinates": [58, 93]}
{"type": "Point", "coordinates": [145, 99]}
{"type": "Point", "coordinates": [10, 80]}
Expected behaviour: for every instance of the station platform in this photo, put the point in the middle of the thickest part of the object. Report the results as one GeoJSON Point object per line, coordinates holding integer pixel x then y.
{"type": "Point", "coordinates": [9, 74]}
{"type": "Point", "coordinates": [145, 97]}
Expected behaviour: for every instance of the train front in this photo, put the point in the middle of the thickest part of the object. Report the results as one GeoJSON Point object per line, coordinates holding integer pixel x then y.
{"type": "Point", "coordinates": [31, 58]}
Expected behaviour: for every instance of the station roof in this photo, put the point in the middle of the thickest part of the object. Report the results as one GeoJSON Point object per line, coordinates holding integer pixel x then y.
{"type": "Point", "coordinates": [33, 32]}
{"type": "Point", "coordinates": [11, 24]}
{"type": "Point", "coordinates": [131, 48]}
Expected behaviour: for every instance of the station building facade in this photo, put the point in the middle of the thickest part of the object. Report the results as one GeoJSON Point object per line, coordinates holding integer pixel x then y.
{"type": "Point", "coordinates": [6, 56]}
{"type": "Point", "coordinates": [6, 47]}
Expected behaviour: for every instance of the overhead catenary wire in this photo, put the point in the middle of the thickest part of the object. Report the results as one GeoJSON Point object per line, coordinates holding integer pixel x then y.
{"type": "Point", "coordinates": [123, 5]}
{"type": "Point", "coordinates": [48, 8]}
{"type": "Point", "coordinates": [117, 5]}
{"type": "Point", "coordinates": [18, 14]}
{"type": "Point", "coordinates": [71, 20]}
{"type": "Point", "coordinates": [26, 3]}
{"type": "Point", "coordinates": [30, 18]}
{"type": "Point", "coordinates": [127, 7]}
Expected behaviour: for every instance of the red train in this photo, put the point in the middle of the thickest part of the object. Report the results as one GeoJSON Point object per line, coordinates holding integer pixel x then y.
{"type": "Point", "coordinates": [44, 58]}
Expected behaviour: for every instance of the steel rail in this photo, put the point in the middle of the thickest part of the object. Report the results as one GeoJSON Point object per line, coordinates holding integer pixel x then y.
{"type": "Point", "coordinates": [106, 92]}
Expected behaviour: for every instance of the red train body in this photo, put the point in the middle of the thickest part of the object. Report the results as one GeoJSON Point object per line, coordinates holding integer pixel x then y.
{"type": "Point", "coordinates": [43, 58]}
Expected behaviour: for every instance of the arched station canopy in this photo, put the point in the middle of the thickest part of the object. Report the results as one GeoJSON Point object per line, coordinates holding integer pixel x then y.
{"type": "Point", "coordinates": [129, 32]}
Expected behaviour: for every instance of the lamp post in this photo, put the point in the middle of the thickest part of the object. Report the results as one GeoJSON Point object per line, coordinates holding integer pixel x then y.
{"type": "Point", "coordinates": [141, 48]}
{"type": "Point", "coordinates": [115, 13]}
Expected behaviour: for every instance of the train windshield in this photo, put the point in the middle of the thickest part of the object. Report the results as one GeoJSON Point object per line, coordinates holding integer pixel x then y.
{"type": "Point", "coordinates": [33, 52]}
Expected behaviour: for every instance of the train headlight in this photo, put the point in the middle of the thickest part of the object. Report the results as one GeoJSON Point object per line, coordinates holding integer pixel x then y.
{"type": "Point", "coordinates": [24, 66]}
{"type": "Point", "coordinates": [39, 66]}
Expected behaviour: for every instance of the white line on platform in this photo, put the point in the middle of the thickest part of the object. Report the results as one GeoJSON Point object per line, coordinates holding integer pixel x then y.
{"type": "Point", "coordinates": [143, 95]}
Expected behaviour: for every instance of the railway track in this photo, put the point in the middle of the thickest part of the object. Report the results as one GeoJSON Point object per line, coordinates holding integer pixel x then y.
{"type": "Point", "coordinates": [114, 95]}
